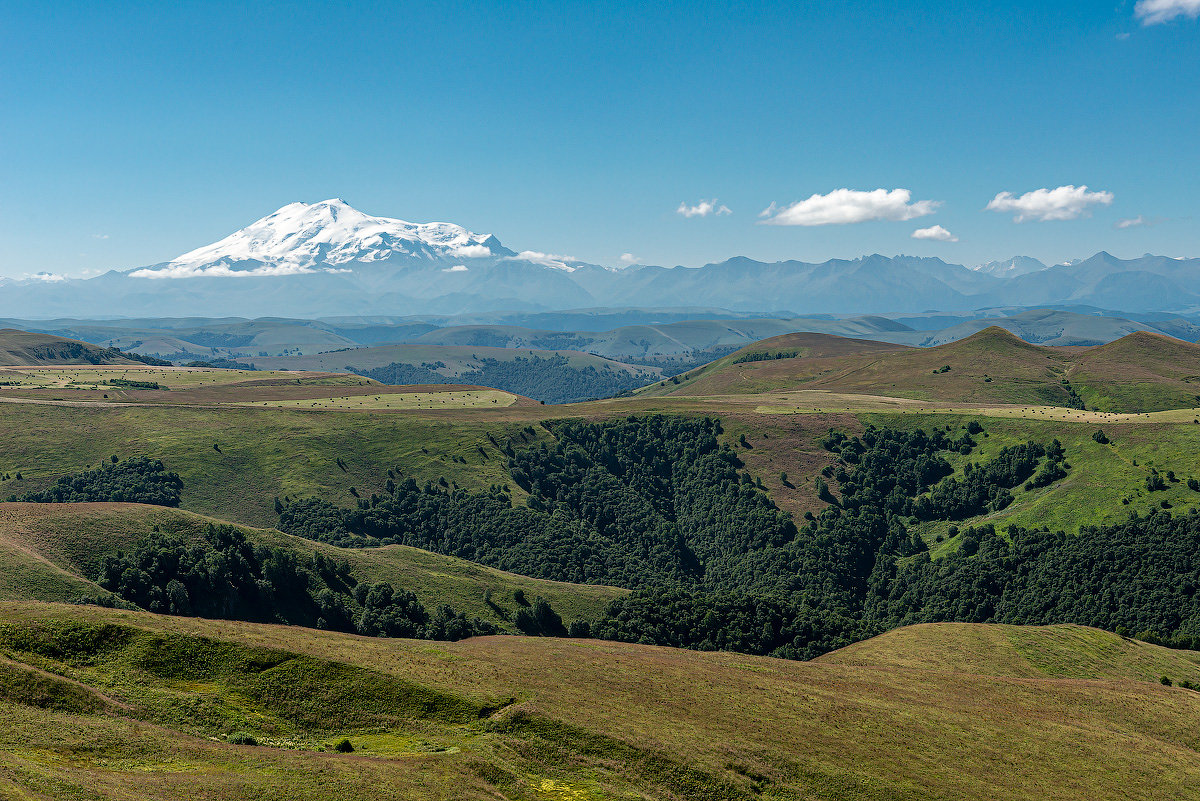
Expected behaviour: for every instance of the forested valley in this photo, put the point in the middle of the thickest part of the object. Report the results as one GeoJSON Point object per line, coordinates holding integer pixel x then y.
{"type": "Point", "coordinates": [552, 379]}
{"type": "Point", "coordinates": [659, 505]}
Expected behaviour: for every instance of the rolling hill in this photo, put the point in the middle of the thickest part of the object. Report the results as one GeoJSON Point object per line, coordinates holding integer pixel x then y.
{"type": "Point", "coordinates": [111, 704]}
{"type": "Point", "coordinates": [1138, 373]}
{"type": "Point", "coordinates": [53, 552]}
{"type": "Point", "coordinates": [22, 348]}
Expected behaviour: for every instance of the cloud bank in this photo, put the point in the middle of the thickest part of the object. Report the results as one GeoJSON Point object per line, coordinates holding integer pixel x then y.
{"type": "Point", "coordinates": [551, 260]}
{"type": "Point", "coordinates": [703, 209]}
{"type": "Point", "coordinates": [225, 271]}
{"type": "Point", "coordinates": [1041, 205]}
{"type": "Point", "coordinates": [936, 233]}
{"type": "Point", "coordinates": [1156, 12]}
{"type": "Point", "coordinates": [845, 206]}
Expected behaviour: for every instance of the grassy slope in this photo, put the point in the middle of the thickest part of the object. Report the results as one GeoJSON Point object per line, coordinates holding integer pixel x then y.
{"type": "Point", "coordinates": [1066, 651]}
{"type": "Point", "coordinates": [263, 453]}
{"type": "Point", "coordinates": [1140, 372]}
{"type": "Point", "coordinates": [592, 720]}
{"type": "Point", "coordinates": [1101, 476]}
{"type": "Point", "coordinates": [22, 348]}
{"type": "Point", "coordinates": [727, 374]}
{"type": "Point", "coordinates": [49, 551]}
{"type": "Point", "coordinates": [266, 453]}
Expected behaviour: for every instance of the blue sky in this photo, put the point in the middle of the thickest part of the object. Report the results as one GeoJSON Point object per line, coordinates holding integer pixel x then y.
{"type": "Point", "coordinates": [132, 132]}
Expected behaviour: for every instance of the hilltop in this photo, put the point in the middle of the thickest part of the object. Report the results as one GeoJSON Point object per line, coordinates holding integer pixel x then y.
{"type": "Point", "coordinates": [1038, 652]}
{"type": "Point", "coordinates": [22, 348]}
{"type": "Point", "coordinates": [1139, 372]}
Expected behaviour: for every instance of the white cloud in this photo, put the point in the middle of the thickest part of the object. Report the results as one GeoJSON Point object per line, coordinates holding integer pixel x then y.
{"type": "Point", "coordinates": [470, 251]}
{"type": "Point", "coordinates": [224, 271]}
{"type": "Point", "coordinates": [1138, 222]}
{"type": "Point", "coordinates": [1123, 36]}
{"type": "Point", "coordinates": [629, 258]}
{"type": "Point", "coordinates": [49, 278]}
{"type": "Point", "coordinates": [845, 206]}
{"type": "Point", "coordinates": [99, 236]}
{"type": "Point", "coordinates": [703, 209]}
{"type": "Point", "coordinates": [550, 260]}
{"type": "Point", "coordinates": [1155, 12]}
{"type": "Point", "coordinates": [458, 268]}
{"type": "Point", "coordinates": [935, 232]}
{"type": "Point", "coordinates": [1064, 203]}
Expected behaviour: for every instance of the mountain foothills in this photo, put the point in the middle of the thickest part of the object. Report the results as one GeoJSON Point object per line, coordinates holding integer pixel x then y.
{"type": "Point", "coordinates": [309, 260]}
{"type": "Point", "coordinates": [773, 557]}
{"type": "Point", "coordinates": [1139, 372]}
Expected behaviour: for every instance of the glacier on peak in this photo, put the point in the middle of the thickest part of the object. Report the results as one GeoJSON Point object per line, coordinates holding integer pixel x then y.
{"type": "Point", "coordinates": [327, 236]}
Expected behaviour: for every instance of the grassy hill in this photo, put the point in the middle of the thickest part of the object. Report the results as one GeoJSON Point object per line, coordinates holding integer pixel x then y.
{"type": "Point", "coordinates": [50, 552]}
{"type": "Point", "coordinates": [109, 704]}
{"type": "Point", "coordinates": [768, 364]}
{"type": "Point", "coordinates": [1057, 327]}
{"type": "Point", "coordinates": [1035, 652]}
{"type": "Point", "coordinates": [1142, 371]}
{"type": "Point", "coordinates": [22, 348]}
{"type": "Point", "coordinates": [1139, 372]}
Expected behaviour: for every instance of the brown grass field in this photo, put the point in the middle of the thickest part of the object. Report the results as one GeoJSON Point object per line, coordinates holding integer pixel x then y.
{"type": "Point", "coordinates": [1140, 372]}
{"type": "Point", "coordinates": [948, 711]}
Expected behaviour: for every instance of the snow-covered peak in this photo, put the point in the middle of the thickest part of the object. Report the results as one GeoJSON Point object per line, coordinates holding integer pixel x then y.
{"type": "Point", "coordinates": [332, 234]}
{"type": "Point", "coordinates": [1011, 268]}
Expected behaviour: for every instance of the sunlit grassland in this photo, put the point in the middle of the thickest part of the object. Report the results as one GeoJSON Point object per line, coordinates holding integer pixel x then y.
{"type": "Point", "coordinates": [1102, 476]}
{"type": "Point", "coordinates": [963, 711]}
{"type": "Point", "coordinates": [235, 461]}
{"type": "Point", "coordinates": [50, 551]}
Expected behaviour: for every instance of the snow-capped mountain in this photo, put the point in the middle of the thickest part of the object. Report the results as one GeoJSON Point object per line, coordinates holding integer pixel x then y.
{"type": "Point", "coordinates": [328, 258]}
{"type": "Point", "coordinates": [329, 236]}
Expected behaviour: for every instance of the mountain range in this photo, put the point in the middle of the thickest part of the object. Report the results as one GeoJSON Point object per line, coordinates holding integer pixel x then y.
{"type": "Point", "coordinates": [328, 258]}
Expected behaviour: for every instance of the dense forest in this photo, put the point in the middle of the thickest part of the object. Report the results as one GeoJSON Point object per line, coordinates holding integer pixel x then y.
{"type": "Point", "coordinates": [551, 379]}
{"type": "Point", "coordinates": [662, 506]}
{"type": "Point", "coordinates": [659, 505]}
{"type": "Point", "coordinates": [134, 480]}
{"type": "Point", "coordinates": [1139, 576]}
{"type": "Point", "coordinates": [223, 575]}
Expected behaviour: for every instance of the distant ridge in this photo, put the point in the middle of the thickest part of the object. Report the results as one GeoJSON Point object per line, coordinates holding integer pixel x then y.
{"type": "Point", "coordinates": [329, 259]}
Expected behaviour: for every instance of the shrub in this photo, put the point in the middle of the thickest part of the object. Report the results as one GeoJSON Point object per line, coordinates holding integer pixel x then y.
{"type": "Point", "coordinates": [241, 738]}
{"type": "Point", "coordinates": [344, 746]}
